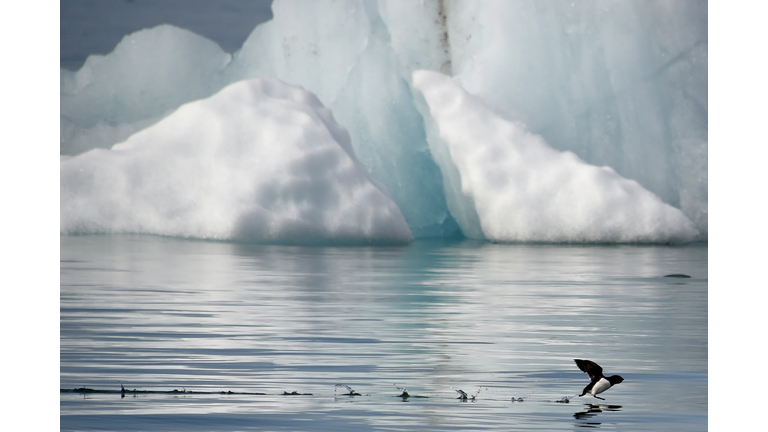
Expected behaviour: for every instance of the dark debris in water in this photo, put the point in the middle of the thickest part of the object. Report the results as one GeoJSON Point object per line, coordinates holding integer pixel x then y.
{"type": "Point", "coordinates": [405, 395]}
{"type": "Point", "coordinates": [295, 393]}
{"type": "Point", "coordinates": [678, 275]}
{"type": "Point", "coordinates": [86, 390]}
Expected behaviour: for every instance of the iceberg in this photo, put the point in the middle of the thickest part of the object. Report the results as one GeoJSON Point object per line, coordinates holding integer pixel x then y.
{"type": "Point", "coordinates": [619, 89]}
{"type": "Point", "coordinates": [619, 84]}
{"type": "Point", "coordinates": [347, 59]}
{"type": "Point", "coordinates": [258, 161]}
{"type": "Point", "coordinates": [525, 191]}
{"type": "Point", "coordinates": [148, 75]}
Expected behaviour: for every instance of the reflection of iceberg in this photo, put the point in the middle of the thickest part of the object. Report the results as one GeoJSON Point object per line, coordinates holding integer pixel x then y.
{"type": "Point", "coordinates": [621, 85]}
{"type": "Point", "coordinates": [260, 160]}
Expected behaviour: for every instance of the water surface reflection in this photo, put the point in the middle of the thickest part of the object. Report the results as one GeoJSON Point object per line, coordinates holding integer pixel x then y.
{"type": "Point", "coordinates": [506, 320]}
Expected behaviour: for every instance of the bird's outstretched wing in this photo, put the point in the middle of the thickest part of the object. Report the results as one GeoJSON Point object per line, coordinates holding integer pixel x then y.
{"type": "Point", "coordinates": [593, 369]}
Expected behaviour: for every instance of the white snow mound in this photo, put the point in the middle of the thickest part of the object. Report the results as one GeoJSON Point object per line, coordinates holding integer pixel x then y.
{"type": "Point", "coordinates": [525, 191]}
{"type": "Point", "coordinates": [259, 161]}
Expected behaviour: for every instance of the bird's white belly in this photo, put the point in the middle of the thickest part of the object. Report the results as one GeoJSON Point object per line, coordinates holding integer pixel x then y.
{"type": "Point", "coordinates": [600, 386]}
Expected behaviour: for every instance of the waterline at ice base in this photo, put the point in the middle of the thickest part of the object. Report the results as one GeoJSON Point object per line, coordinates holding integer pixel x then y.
{"type": "Point", "coordinates": [389, 121]}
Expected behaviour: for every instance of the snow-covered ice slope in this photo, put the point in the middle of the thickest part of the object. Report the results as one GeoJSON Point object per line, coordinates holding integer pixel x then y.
{"type": "Point", "coordinates": [525, 191]}
{"type": "Point", "coordinates": [259, 161]}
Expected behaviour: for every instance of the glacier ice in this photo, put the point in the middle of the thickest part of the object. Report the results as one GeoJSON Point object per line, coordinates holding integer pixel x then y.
{"type": "Point", "coordinates": [525, 191]}
{"type": "Point", "coordinates": [618, 84]}
{"type": "Point", "coordinates": [347, 60]}
{"type": "Point", "coordinates": [148, 75]}
{"type": "Point", "coordinates": [258, 161]}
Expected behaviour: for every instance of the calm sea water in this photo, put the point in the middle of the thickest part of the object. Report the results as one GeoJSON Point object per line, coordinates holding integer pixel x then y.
{"type": "Point", "coordinates": [159, 314]}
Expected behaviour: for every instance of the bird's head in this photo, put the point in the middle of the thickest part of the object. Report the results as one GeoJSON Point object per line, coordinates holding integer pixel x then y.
{"type": "Point", "coordinates": [615, 379]}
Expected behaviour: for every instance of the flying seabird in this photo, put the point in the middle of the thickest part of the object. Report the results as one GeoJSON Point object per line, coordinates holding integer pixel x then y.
{"type": "Point", "coordinates": [598, 383]}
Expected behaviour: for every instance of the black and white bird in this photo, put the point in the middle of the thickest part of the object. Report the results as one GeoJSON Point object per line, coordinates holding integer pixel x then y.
{"type": "Point", "coordinates": [598, 383]}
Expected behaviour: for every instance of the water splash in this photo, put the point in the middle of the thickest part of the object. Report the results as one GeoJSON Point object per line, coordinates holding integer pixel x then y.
{"type": "Point", "coordinates": [351, 391]}
{"type": "Point", "coordinates": [403, 392]}
{"type": "Point", "coordinates": [464, 396]}
{"type": "Point", "coordinates": [521, 398]}
{"type": "Point", "coordinates": [565, 399]}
